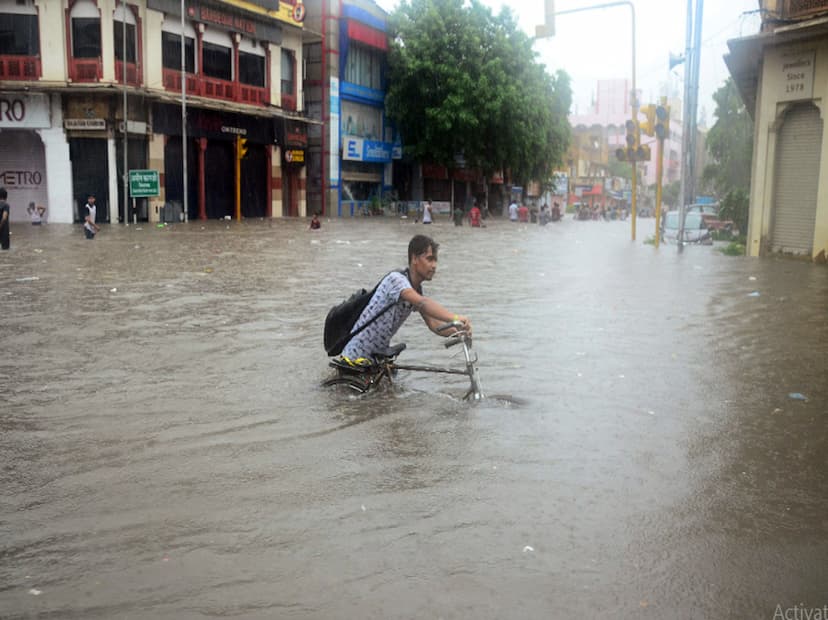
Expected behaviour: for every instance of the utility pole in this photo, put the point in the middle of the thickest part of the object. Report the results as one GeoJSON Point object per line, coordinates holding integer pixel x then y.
{"type": "Point", "coordinates": [124, 76]}
{"type": "Point", "coordinates": [691, 96]}
{"type": "Point", "coordinates": [184, 114]}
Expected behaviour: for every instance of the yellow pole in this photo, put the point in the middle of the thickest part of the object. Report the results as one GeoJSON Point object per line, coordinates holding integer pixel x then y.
{"type": "Point", "coordinates": [659, 173]}
{"type": "Point", "coordinates": [632, 212]}
{"type": "Point", "coordinates": [238, 180]}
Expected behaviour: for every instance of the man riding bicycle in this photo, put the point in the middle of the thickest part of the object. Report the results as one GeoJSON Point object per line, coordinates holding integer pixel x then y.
{"type": "Point", "coordinates": [404, 291]}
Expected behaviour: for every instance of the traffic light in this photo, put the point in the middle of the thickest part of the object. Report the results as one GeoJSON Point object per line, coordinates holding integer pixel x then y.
{"type": "Point", "coordinates": [648, 126]}
{"type": "Point", "coordinates": [548, 27]}
{"type": "Point", "coordinates": [632, 130]}
{"type": "Point", "coordinates": [629, 153]}
{"type": "Point", "coordinates": [634, 151]}
{"type": "Point", "coordinates": [642, 153]}
{"type": "Point", "coordinates": [662, 127]}
{"type": "Point", "coordinates": [242, 147]}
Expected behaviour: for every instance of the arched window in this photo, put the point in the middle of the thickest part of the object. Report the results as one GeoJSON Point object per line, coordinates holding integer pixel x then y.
{"type": "Point", "coordinates": [124, 47]}
{"type": "Point", "coordinates": [86, 30]}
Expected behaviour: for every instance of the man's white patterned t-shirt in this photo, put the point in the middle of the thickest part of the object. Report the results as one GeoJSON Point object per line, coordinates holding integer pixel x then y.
{"type": "Point", "coordinates": [377, 336]}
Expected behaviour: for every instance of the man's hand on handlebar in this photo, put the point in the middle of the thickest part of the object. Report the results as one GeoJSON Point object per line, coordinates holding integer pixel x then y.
{"type": "Point", "coordinates": [457, 325]}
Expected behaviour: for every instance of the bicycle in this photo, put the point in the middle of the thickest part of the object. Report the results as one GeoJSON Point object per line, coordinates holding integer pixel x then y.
{"type": "Point", "coordinates": [365, 377]}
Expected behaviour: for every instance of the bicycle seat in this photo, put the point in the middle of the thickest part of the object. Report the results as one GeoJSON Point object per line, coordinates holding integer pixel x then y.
{"type": "Point", "coordinates": [391, 352]}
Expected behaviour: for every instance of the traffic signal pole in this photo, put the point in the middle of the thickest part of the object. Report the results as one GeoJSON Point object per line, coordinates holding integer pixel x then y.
{"type": "Point", "coordinates": [659, 174]}
{"type": "Point", "coordinates": [238, 178]}
{"type": "Point", "coordinates": [549, 30]}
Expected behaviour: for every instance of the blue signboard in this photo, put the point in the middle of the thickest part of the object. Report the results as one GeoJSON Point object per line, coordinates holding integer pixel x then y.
{"type": "Point", "coordinates": [371, 151]}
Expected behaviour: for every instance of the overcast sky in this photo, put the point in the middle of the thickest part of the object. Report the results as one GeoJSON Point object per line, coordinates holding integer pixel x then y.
{"type": "Point", "coordinates": [596, 44]}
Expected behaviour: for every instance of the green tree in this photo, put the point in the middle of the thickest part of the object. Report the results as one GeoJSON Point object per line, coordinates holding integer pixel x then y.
{"type": "Point", "coordinates": [670, 193]}
{"type": "Point", "coordinates": [730, 144]}
{"type": "Point", "coordinates": [463, 82]}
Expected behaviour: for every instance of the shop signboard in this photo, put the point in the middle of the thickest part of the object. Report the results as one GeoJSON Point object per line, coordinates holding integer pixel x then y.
{"type": "Point", "coordinates": [24, 111]}
{"type": "Point", "coordinates": [370, 151]}
{"type": "Point", "coordinates": [295, 156]}
{"type": "Point", "coordinates": [797, 76]}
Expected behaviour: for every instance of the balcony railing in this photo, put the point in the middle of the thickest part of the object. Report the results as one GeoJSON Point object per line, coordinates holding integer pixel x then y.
{"type": "Point", "coordinates": [201, 86]}
{"type": "Point", "coordinates": [133, 73]}
{"type": "Point", "coordinates": [800, 9]}
{"type": "Point", "coordinates": [20, 68]}
{"type": "Point", "coordinates": [255, 95]}
{"type": "Point", "coordinates": [289, 102]}
{"type": "Point", "coordinates": [172, 82]}
{"type": "Point", "coordinates": [85, 69]}
{"type": "Point", "coordinates": [218, 89]}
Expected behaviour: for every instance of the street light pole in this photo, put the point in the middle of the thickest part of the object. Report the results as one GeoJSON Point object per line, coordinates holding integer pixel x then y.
{"type": "Point", "coordinates": [634, 97]}
{"type": "Point", "coordinates": [126, 139]}
{"type": "Point", "coordinates": [184, 115]}
{"type": "Point", "coordinates": [691, 99]}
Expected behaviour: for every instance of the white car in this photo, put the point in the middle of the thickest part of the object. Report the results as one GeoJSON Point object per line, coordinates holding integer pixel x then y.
{"type": "Point", "coordinates": [695, 228]}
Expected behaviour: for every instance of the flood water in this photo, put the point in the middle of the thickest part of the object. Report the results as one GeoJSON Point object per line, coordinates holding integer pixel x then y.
{"type": "Point", "coordinates": [167, 451]}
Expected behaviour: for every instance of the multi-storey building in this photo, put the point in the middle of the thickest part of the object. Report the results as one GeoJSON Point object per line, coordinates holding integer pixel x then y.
{"type": "Point", "coordinates": [351, 154]}
{"type": "Point", "coordinates": [782, 75]}
{"type": "Point", "coordinates": [72, 71]}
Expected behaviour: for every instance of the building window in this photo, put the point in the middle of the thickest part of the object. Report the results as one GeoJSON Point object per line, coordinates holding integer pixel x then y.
{"type": "Point", "coordinates": [218, 61]}
{"type": "Point", "coordinates": [364, 67]}
{"type": "Point", "coordinates": [251, 69]}
{"type": "Point", "coordinates": [119, 41]}
{"type": "Point", "coordinates": [171, 52]}
{"type": "Point", "coordinates": [19, 35]}
{"type": "Point", "coordinates": [86, 37]}
{"type": "Point", "coordinates": [288, 73]}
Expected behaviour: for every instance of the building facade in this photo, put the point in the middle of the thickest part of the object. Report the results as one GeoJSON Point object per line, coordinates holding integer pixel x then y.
{"type": "Point", "coordinates": [91, 86]}
{"type": "Point", "coordinates": [782, 75]}
{"type": "Point", "coordinates": [351, 153]}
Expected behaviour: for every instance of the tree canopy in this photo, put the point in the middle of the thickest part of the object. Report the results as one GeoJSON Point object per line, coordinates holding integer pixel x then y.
{"type": "Point", "coordinates": [730, 143]}
{"type": "Point", "coordinates": [465, 83]}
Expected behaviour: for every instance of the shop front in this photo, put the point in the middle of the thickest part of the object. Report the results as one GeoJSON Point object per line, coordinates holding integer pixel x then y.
{"type": "Point", "coordinates": [366, 166]}
{"type": "Point", "coordinates": [293, 139]}
{"type": "Point", "coordinates": [212, 145]}
{"type": "Point", "coordinates": [34, 162]}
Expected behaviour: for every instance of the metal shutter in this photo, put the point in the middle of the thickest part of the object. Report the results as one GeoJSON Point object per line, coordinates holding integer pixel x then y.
{"type": "Point", "coordinates": [797, 177]}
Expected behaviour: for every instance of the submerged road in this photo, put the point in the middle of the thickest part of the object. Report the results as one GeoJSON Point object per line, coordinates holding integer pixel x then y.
{"type": "Point", "coordinates": [167, 452]}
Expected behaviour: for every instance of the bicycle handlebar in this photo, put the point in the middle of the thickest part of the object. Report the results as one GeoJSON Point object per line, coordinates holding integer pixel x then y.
{"type": "Point", "coordinates": [443, 327]}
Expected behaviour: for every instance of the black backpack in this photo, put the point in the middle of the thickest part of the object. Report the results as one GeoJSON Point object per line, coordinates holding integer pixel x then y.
{"type": "Point", "coordinates": [339, 324]}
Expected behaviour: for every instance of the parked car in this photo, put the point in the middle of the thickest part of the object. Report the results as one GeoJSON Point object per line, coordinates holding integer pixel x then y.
{"type": "Point", "coordinates": [695, 228]}
{"type": "Point", "coordinates": [710, 213]}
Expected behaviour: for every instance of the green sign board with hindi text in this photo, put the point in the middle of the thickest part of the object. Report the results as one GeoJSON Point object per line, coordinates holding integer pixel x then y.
{"type": "Point", "coordinates": [143, 183]}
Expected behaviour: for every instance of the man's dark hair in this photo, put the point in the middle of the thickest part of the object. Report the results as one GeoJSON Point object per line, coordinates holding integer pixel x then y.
{"type": "Point", "coordinates": [3, 193]}
{"type": "Point", "coordinates": [419, 244]}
